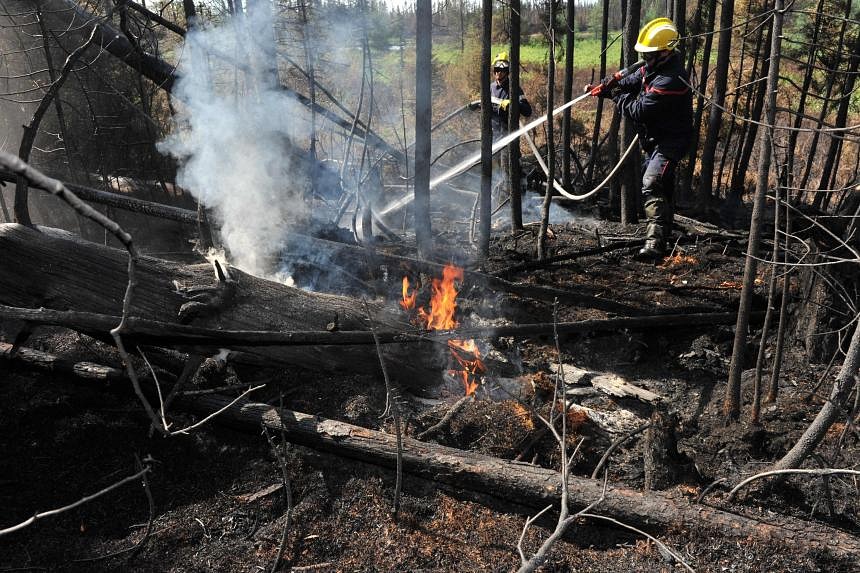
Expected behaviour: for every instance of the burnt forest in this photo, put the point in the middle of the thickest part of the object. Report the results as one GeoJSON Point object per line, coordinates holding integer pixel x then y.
{"type": "Point", "coordinates": [299, 286]}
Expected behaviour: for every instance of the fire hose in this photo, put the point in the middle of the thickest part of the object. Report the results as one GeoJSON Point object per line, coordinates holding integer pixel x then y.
{"type": "Point", "coordinates": [503, 142]}
{"type": "Point", "coordinates": [558, 187]}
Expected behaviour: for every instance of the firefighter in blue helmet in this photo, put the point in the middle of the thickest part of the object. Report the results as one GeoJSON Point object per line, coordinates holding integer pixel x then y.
{"type": "Point", "coordinates": [660, 103]}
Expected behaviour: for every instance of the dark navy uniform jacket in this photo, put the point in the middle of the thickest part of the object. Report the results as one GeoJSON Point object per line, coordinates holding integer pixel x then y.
{"type": "Point", "coordinates": [499, 117]}
{"type": "Point", "coordinates": [661, 105]}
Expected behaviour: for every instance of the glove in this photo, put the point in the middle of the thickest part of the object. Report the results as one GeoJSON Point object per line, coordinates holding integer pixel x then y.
{"type": "Point", "coordinates": [473, 105]}
{"type": "Point", "coordinates": [610, 93]}
{"type": "Point", "coordinates": [503, 105]}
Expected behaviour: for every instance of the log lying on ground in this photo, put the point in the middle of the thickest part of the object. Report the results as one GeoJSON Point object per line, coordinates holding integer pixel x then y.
{"type": "Point", "coordinates": [519, 483]}
{"type": "Point", "coordinates": [478, 477]}
{"type": "Point", "coordinates": [168, 333]}
{"type": "Point", "coordinates": [54, 269]}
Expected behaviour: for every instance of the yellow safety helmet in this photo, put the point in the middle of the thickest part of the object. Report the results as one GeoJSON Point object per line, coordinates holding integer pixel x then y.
{"type": "Point", "coordinates": [656, 35]}
{"type": "Point", "coordinates": [502, 60]}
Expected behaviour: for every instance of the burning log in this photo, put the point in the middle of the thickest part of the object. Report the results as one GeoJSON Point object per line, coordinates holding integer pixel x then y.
{"type": "Point", "coordinates": [54, 269]}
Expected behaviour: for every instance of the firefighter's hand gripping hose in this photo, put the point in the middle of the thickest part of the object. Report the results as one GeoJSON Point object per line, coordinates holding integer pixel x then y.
{"type": "Point", "coordinates": [607, 85]}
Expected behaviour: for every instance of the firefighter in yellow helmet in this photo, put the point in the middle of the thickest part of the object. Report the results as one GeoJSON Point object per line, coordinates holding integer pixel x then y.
{"type": "Point", "coordinates": [659, 101]}
{"type": "Point", "coordinates": [500, 92]}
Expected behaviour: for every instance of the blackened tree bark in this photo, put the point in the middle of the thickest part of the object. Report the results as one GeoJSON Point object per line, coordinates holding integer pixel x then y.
{"type": "Point", "coordinates": [514, 166]}
{"type": "Point", "coordinates": [598, 114]}
{"type": "Point", "coordinates": [755, 413]}
{"type": "Point", "coordinates": [807, 81]}
{"type": "Point", "coordinates": [570, 15]}
{"type": "Point", "coordinates": [773, 385]}
{"type": "Point", "coordinates": [630, 185]}
{"type": "Point", "coordinates": [732, 402]}
{"type": "Point", "coordinates": [550, 138]}
{"type": "Point", "coordinates": [742, 164]}
{"type": "Point", "coordinates": [686, 182]}
{"type": "Point", "coordinates": [485, 198]}
{"type": "Point", "coordinates": [715, 118]}
{"type": "Point", "coordinates": [822, 199]}
{"type": "Point", "coordinates": [812, 157]}
{"type": "Point", "coordinates": [679, 16]}
{"type": "Point", "coordinates": [423, 119]}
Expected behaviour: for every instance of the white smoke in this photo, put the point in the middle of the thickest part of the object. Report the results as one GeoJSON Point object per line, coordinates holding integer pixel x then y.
{"type": "Point", "coordinates": [236, 150]}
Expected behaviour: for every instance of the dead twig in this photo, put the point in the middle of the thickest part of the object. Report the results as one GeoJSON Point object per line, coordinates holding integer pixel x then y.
{"type": "Point", "coordinates": [564, 518]}
{"type": "Point", "coordinates": [818, 472]}
{"type": "Point", "coordinates": [136, 548]}
{"type": "Point", "coordinates": [288, 492]}
{"type": "Point", "coordinates": [446, 419]}
{"type": "Point", "coordinates": [664, 549]}
{"type": "Point", "coordinates": [214, 414]}
{"type": "Point", "coordinates": [86, 499]}
{"type": "Point", "coordinates": [711, 486]}
{"type": "Point", "coordinates": [392, 408]}
{"type": "Point", "coordinates": [615, 445]}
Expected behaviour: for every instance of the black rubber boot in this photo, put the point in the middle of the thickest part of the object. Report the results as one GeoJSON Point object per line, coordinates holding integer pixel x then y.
{"type": "Point", "coordinates": [653, 250]}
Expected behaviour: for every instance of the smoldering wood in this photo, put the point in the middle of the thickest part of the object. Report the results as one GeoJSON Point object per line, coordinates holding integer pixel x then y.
{"type": "Point", "coordinates": [55, 269]}
{"type": "Point", "coordinates": [512, 485]}
{"type": "Point", "coordinates": [341, 251]}
{"type": "Point", "coordinates": [171, 333]}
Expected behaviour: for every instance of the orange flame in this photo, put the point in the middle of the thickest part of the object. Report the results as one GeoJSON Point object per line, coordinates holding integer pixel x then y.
{"type": "Point", "coordinates": [408, 301]}
{"type": "Point", "coordinates": [443, 305]}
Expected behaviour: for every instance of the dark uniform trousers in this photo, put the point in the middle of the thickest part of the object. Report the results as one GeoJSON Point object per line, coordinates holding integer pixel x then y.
{"type": "Point", "coordinates": [658, 189]}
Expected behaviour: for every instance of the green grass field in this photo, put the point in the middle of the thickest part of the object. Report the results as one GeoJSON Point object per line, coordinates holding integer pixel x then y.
{"type": "Point", "coordinates": [586, 52]}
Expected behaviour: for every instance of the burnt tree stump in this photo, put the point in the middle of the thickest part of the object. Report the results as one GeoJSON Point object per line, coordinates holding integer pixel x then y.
{"type": "Point", "coordinates": [662, 459]}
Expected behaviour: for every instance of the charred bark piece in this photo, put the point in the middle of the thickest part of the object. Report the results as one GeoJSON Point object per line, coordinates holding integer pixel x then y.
{"type": "Point", "coordinates": [205, 301]}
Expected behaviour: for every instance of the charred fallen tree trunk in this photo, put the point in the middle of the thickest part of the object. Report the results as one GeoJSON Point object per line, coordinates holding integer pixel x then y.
{"type": "Point", "coordinates": [512, 485]}
{"type": "Point", "coordinates": [53, 269]}
{"type": "Point", "coordinates": [477, 476]}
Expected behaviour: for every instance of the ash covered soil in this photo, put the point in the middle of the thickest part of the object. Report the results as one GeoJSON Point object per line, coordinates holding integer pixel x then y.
{"type": "Point", "coordinates": [216, 500]}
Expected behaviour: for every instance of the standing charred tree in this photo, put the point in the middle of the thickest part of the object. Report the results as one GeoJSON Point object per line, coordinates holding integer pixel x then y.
{"type": "Point", "coordinates": [750, 129]}
{"type": "Point", "coordinates": [31, 130]}
{"type": "Point", "coordinates": [423, 118]}
{"type": "Point", "coordinates": [201, 66]}
{"type": "Point", "coordinates": [550, 137]}
{"type": "Point", "coordinates": [715, 118]}
{"type": "Point", "coordinates": [514, 166]}
{"type": "Point", "coordinates": [679, 16]}
{"type": "Point", "coordinates": [485, 198]}
{"type": "Point", "coordinates": [598, 114]}
{"type": "Point", "coordinates": [822, 199]}
{"type": "Point", "coordinates": [732, 402]}
{"type": "Point", "coordinates": [570, 15]}
{"type": "Point", "coordinates": [686, 182]}
{"type": "Point", "coordinates": [630, 186]}
{"type": "Point", "coordinates": [804, 88]}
